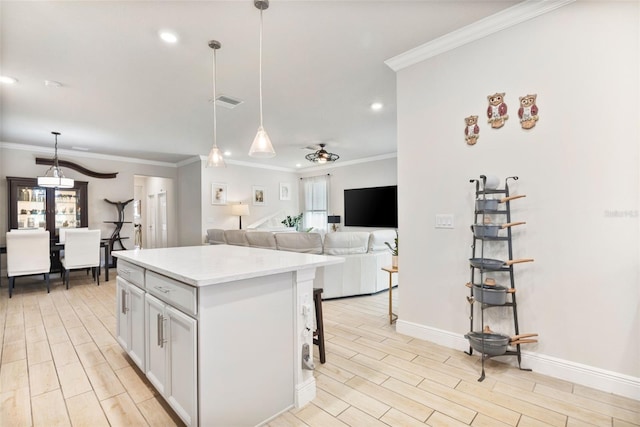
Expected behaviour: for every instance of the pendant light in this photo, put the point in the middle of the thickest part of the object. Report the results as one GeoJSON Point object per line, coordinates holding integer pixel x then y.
{"type": "Point", "coordinates": [54, 178]}
{"type": "Point", "coordinates": [261, 146]}
{"type": "Point", "coordinates": [215, 155]}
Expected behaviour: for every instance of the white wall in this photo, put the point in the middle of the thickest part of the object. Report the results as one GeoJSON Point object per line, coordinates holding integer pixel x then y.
{"type": "Point", "coordinates": [239, 180]}
{"type": "Point", "coordinates": [377, 173]}
{"type": "Point", "coordinates": [189, 204]}
{"type": "Point", "coordinates": [578, 167]}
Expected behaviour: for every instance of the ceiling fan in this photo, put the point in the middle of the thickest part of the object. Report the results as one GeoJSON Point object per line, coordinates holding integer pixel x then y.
{"type": "Point", "coordinates": [320, 156]}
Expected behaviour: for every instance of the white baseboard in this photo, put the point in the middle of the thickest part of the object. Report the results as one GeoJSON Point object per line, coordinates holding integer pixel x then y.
{"type": "Point", "coordinates": [305, 392]}
{"type": "Point", "coordinates": [601, 379]}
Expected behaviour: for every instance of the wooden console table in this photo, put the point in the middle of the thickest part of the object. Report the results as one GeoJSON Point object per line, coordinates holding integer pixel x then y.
{"type": "Point", "coordinates": [392, 316]}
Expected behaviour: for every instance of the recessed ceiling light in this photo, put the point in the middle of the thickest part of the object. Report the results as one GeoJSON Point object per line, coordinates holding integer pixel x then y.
{"type": "Point", "coordinates": [298, 165]}
{"type": "Point", "coordinates": [168, 37]}
{"type": "Point", "coordinates": [8, 80]}
{"type": "Point", "coordinates": [52, 83]}
{"type": "Point", "coordinates": [227, 153]}
{"type": "Point", "coordinates": [376, 106]}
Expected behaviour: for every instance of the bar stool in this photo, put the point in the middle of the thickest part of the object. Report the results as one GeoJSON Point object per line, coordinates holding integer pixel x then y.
{"type": "Point", "coordinates": [318, 334]}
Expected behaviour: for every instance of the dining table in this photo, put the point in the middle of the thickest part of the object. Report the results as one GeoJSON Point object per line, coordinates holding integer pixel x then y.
{"type": "Point", "coordinates": [55, 248]}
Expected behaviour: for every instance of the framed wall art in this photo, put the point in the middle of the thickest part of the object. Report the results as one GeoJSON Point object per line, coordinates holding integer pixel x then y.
{"type": "Point", "coordinates": [259, 195]}
{"type": "Point", "coordinates": [218, 194]}
{"type": "Point", "coordinates": [285, 191]}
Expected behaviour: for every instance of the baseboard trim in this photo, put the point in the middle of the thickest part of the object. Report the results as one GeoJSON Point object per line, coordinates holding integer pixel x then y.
{"type": "Point", "coordinates": [589, 376]}
{"type": "Point", "coordinates": [305, 392]}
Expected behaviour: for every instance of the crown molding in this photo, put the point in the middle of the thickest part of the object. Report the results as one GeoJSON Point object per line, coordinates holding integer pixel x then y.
{"type": "Point", "coordinates": [252, 165]}
{"type": "Point", "coordinates": [509, 17]}
{"type": "Point", "coordinates": [83, 154]}
{"type": "Point", "coordinates": [348, 163]}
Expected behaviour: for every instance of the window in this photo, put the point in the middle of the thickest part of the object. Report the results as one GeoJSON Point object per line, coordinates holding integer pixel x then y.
{"type": "Point", "coordinates": [316, 202]}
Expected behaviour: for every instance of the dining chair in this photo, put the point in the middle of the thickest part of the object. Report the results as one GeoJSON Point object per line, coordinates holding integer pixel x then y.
{"type": "Point", "coordinates": [81, 251]}
{"type": "Point", "coordinates": [62, 232]}
{"type": "Point", "coordinates": [27, 255]}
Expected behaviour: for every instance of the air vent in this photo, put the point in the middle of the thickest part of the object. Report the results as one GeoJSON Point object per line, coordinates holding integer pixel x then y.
{"type": "Point", "coordinates": [227, 101]}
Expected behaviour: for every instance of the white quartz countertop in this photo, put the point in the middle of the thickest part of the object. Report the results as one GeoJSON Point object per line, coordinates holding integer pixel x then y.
{"type": "Point", "coordinates": [210, 264]}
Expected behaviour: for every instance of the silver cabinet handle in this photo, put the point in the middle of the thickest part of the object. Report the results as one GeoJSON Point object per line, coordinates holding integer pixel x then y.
{"type": "Point", "coordinates": [123, 303]}
{"type": "Point", "coordinates": [160, 325]}
{"type": "Point", "coordinates": [163, 290]}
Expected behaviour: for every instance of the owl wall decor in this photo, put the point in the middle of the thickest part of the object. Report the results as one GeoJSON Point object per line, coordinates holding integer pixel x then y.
{"type": "Point", "coordinates": [472, 130]}
{"type": "Point", "coordinates": [497, 110]}
{"type": "Point", "coordinates": [528, 111]}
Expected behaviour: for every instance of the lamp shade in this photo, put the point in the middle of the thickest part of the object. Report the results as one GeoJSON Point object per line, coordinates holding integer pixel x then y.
{"type": "Point", "coordinates": [240, 210]}
{"type": "Point", "coordinates": [333, 219]}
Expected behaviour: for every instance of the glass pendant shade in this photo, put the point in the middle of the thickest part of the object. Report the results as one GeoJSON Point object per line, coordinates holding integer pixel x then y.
{"type": "Point", "coordinates": [262, 147]}
{"type": "Point", "coordinates": [215, 158]}
{"type": "Point", "coordinates": [54, 178]}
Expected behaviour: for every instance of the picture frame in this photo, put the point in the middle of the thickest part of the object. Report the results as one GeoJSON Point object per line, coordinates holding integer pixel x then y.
{"type": "Point", "coordinates": [218, 194]}
{"type": "Point", "coordinates": [259, 195]}
{"type": "Point", "coordinates": [285, 191]}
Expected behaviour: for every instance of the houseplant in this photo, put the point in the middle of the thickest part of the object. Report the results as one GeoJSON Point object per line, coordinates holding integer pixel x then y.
{"type": "Point", "coordinates": [292, 221]}
{"type": "Point", "coordinates": [394, 251]}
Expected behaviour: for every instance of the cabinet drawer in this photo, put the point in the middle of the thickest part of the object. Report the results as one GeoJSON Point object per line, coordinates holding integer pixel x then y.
{"type": "Point", "coordinates": [131, 273]}
{"type": "Point", "coordinates": [172, 292]}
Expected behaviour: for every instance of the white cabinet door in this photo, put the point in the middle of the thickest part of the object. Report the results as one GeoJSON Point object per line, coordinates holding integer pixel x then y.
{"type": "Point", "coordinates": [155, 346]}
{"type": "Point", "coordinates": [136, 326]}
{"type": "Point", "coordinates": [182, 360]}
{"type": "Point", "coordinates": [122, 326]}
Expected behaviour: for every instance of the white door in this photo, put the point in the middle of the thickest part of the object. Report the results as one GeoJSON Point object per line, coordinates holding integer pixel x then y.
{"type": "Point", "coordinates": [182, 359]}
{"type": "Point", "coordinates": [136, 323]}
{"type": "Point", "coordinates": [161, 241]}
{"type": "Point", "coordinates": [155, 348]}
{"type": "Point", "coordinates": [151, 218]}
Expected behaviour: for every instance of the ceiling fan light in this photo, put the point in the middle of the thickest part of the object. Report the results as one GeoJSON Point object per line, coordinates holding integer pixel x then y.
{"type": "Point", "coordinates": [262, 147]}
{"type": "Point", "coordinates": [321, 156]}
{"type": "Point", "coordinates": [215, 159]}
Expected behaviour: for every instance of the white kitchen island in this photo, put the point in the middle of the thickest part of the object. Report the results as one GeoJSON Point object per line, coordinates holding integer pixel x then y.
{"type": "Point", "coordinates": [219, 330]}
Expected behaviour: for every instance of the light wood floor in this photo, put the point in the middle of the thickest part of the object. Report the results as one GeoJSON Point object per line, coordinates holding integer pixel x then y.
{"type": "Point", "coordinates": [60, 365]}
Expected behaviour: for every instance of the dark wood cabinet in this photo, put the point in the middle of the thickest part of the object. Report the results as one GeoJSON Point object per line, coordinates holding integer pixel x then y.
{"type": "Point", "coordinates": [31, 206]}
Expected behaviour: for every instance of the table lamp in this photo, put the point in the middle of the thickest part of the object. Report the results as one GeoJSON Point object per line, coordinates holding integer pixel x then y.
{"type": "Point", "coordinates": [240, 210]}
{"type": "Point", "coordinates": [334, 220]}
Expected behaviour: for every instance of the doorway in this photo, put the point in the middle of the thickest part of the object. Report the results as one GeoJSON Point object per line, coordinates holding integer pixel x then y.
{"type": "Point", "coordinates": [156, 221]}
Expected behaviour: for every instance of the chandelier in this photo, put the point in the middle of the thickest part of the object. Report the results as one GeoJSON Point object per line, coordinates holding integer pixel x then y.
{"type": "Point", "coordinates": [322, 156]}
{"type": "Point", "coordinates": [53, 177]}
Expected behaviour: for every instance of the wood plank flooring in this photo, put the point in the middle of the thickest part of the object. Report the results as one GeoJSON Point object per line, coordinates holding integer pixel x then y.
{"type": "Point", "coordinates": [60, 365]}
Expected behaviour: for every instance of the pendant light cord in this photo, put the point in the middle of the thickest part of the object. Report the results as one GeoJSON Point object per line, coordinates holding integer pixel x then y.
{"type": "Point", "coordinates": [215, 124]}
{"type": "Point", "coordinates": [260, 68]}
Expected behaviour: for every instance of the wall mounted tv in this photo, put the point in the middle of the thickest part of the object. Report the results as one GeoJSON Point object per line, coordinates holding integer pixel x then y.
{"type": "Point", "coordinates": [371, 207]}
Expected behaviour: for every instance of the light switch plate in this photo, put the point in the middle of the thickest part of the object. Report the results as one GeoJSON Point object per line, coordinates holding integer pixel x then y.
{"type": "Point", "coordinates": [444, 220]}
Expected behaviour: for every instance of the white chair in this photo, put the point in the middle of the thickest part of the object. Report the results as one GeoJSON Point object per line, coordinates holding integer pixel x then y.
{"type": "Point", "coordinates": [27, 254]}
{"type": "Point", "coordinates": [81, 251]}
{"type": "Point", "coordinates": [62, 232]}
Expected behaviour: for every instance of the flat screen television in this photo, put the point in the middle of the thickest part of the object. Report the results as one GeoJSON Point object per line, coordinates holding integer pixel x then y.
{"type": "Point", "coordinates": [371, 207]}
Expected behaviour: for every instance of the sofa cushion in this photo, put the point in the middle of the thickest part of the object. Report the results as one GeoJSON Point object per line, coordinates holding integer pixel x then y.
{"type": "Point", "coordinates": [236, 237]}
{"type": "Point", "coordinates": [215, 236]}
{"type": "Point", "coordinates": [346, 243]}
{"type": "Point", "coordinates": [308, 243]}
{"type": "Point", "coordinates": [377, 239]}
{"type": "Point", "coordinates": [261, 239]}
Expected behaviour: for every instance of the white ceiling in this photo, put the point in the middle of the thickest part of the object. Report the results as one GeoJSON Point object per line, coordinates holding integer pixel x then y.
{"type": "Point", "coordinates": [127, 93]}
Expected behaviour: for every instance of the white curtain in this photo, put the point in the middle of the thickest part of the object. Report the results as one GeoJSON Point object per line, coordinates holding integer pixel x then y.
{"type": "Point", "coordinates": [316, 202]}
